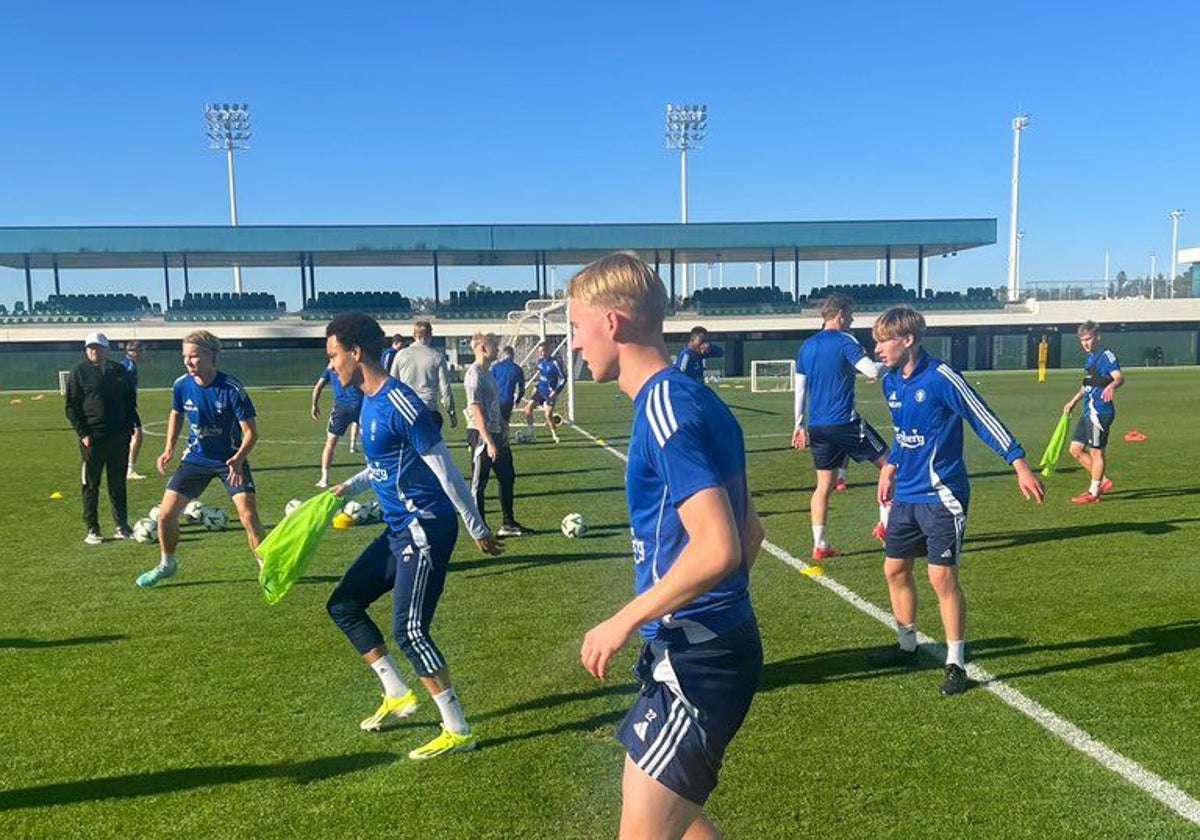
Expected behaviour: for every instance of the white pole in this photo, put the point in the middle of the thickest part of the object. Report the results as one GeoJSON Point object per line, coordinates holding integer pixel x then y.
{"type": "Point", "coordinates": [758, 274]}
{"type": "Point", "coordinates": [878, 272]}
{"type": "Point", "coordinates": [237, 269]}
{"type": "Point", "coordinates": [721, 274]}
{"type": "Point", "coordinates": [826, 272]}
{"type": "Point", "coordinates": [1175, 216]}
{"type": "Point", "coordinates": [1020, 236]}
{"type": "Point", "coordinates": [1153, 269]}
{"type": "Point", "coordinates": [1106, 277]}
{"type": "Point", "coordinates": [927, 264]}
{"type": "Point", "coordinates": [1013, 282]}
{"type": "Point", "coordinates": [683, 205]}
{"type": "Point", "coordinates": [570, 367]}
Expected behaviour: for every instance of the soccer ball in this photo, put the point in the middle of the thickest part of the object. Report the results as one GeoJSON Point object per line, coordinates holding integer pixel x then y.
{"type": "Point", "coordinates": [355, 511]}
{"type": "Point", "coordinates": [556, 419]}
{"type": "Point", "coordinates": [153, 513]}
{"type": "Point", "coordinates": [524, 436]}
{"type": "Point", "coordinates": [574, 525]}
{"type": "Point", "coordinates": [194, 511]}
{"type": "Point", "coordinates": [291, 506]}
{"type": "Point", "coordinates": [215, 519]}
{"type": "Point", "coordinates": [145, 531]}
{"type": "Point", "coordinates": [372, 512]}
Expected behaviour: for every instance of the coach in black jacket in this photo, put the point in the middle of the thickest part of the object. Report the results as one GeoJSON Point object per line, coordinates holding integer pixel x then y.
{"type": "Point", "coordinates": [101, 407]}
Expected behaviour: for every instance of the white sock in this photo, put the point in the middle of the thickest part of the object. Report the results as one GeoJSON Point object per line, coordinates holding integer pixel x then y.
{"type": "Point", "coordinates": [452, 712]}
{"type": "Point", "coordinates": [819, 537]}
{"type": "Point", "coordinates": [908, 636]}
{"type": "Point", "coordinates": [167, 559]}
{"type": "Point", "coordinates": [843, 474]}
{"type": "Point", "coordinates": [954, 653]}
{"type": "Point", "coordinates": [884, 511]}
{"type": "Point", "coordinates": [1094, 488]}
{"type": "Point", "coordinates": [385, 668]}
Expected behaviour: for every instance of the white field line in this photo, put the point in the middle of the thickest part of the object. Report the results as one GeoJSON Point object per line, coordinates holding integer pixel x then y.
{"type": "Point", "coordinates": [1162, 790]}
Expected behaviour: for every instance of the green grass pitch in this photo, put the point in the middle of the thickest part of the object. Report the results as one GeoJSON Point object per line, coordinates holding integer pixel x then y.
{"type": "Point", "coordinates": [195, 710]}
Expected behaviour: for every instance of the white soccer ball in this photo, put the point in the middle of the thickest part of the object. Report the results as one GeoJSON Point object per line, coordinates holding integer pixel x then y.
{"type": "Point", "coordinates": [194, 511]}
{"type": "Point", "coordinates": [525, 436]}
{"type": "Point", "coordinates": [355, 510]}
{"type": "Point", "coordinates": [153, 513]}
{"type": "Point", "coordinates": [145, 531]}
{"type": "Point", "coordinates": [373, 512]}
{"type": "Point", "coordinates": [215, 519]}
{"type": "Point", "coordinates": [291, 506]}
{"type": "Point", "coordinates": [574, 525]}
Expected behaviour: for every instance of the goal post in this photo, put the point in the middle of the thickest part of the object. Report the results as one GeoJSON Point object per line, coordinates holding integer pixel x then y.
{"type": "Point", "coordinates": [771, 375]}
{"type": "Point", "coordinates": [545, 321]}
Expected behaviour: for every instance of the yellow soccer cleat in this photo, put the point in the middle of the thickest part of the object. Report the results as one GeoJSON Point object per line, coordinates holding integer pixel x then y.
{"type": "Point", "coordinates": [390, 710]}
{"type": "Point", "coordinates": [444, 744]}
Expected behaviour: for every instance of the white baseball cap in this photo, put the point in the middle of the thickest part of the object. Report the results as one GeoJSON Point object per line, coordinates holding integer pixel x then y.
{"type": "Point", "coordinates": [96, 338]}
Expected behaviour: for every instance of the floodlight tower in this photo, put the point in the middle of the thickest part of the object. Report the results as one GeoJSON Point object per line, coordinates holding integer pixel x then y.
{"type": "Point", "coordinates": [687, 126]}
{"type": "Point", "coordinates": [1019, 124]}
{"type": "Point", "coordinates": [1176, 215]}
{"type": "Point", "coordinates": [228, 128]}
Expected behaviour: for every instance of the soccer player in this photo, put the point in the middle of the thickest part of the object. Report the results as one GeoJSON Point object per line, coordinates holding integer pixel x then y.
{"type": "Point", "coordinates": [551, 378]}
{"type": "Point", "coordinates": [826, 367]}
{"type": "Point", "coordinates": [1102, 376]}
{"type": "Point", "coordinates": [691, 358]}
{"type": "Point", "coordinates": [101, 407]}
{"type": "Point", "coordinates": [133, 358]}
{"type": "Point", "coordinates": [925, 478]}
{"type": "Point", "coordinates": [695, 536]}
{"type": "Point", "coordinates": [343, 417]}
{"type": "Point", "coordinates": [424, 369]}
{"type": "Point", "coordinates": [487, 434]}
{"type": "Point", "coordinates": [510, 379]}
{"type": "Point", "coordinates": [419, 488]}
{"type": "Point", "coordinates": [389, 354]}
{"type": "Point", "coordinates": [222, 431]}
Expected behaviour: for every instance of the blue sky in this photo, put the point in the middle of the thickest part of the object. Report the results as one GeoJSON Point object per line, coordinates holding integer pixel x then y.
{"type": "Point", "coordinates": [552, 112]}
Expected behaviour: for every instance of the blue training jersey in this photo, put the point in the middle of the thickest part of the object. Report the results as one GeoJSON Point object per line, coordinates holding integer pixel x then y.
{"type": "Point", "coordinates": [510, 380]}
{"type": "Point", "coordinates": [692, 363]}
{"type": "Point", "coordinates": [684, 440]}
{"type": "Point", "coordinates": [927, 412]}
{"type": "Point", "coordinates": [827, 361]}
{"type": "Point", "coordinates": [215, 414]}
{"type": "Point", "coordinates": [397, 429]}
{"type": "Point", "coordinates": [350, 396]}
{"type": "Point", "coordinates": [551, 376]}
{"type": "Point", "coordinates": [1097, 375]}
{"type": "Point", "coordinates": [131, 370]}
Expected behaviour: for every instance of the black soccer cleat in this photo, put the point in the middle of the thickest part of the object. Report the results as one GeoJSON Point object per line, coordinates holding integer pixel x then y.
{"type": "Point", "coordinates": [893, 657]}
{"type": "Point", "coordinates": [955, 682]}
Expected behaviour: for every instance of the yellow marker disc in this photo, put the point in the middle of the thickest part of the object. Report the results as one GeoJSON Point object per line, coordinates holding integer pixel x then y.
{"type": "Point", "coordinates": [343, 522]}
{"type": "Point", "coordinates": [39, 397]}
{"type": "Point", "coordinates": [814, 571]}
{"type": "Point", "coordinates": [602, 441]}
{"type": "Point", "coordinates": [56, 495]}
{"type": "Point", "coordinates": [15, 402]}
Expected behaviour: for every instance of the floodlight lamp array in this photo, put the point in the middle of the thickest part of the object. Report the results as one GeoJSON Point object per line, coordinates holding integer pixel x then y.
{"type": "Point", "coordinates": [227, 125]}
{"type": "Point", "coordinates": [686, 126]}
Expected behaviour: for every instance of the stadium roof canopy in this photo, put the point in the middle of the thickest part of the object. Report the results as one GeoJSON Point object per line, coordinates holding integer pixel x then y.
{"type": "Point", "coordinates": [484, 245]}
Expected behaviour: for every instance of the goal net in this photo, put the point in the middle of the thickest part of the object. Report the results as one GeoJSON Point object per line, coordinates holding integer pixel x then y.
{"type": "Point", "coordinates": [544, 321]}
{"type": "Point", "coordinates": [772, 375]}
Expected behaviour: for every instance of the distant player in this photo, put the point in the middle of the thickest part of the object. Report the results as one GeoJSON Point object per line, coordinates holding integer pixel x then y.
{"type": "Point", "coordinates": [221, 432]}
{"type": "Point", "coordinates": [695, 537]}
{"type": "Point", "coordinates": [487, 434]}
{"type": "Point", "coordinates": [389, 354]}
{"type": "Point", "coordinates": [925, 478]}
{"type": "Point", "coordinates": [1102, 376]}
{"type": "Point", "coordinates": [826, 367]}
{"type": "Point", "coordinates": [691, 358]}
{"type": "Point", "coordinates": [424, 369]}
{"type": "Point", "coordinates": [133, 358]}
{"type": "Point", "coordinates": [419, 488]}
{"type": "Point", "coordinates": [343, 417]}
{"type": "Point", "coordinates": [510, 380]}
{"type": "Point", "coordinates": [551, 377]}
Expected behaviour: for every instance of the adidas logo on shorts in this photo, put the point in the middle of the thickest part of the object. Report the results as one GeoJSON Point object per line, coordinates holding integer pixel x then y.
{"type": "Point", "coordinates": [640, 728]}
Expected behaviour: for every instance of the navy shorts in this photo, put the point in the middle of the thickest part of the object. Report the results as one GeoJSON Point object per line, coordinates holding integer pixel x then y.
{"type": "Point", "coordinates": [1092, 429]}
{"type": "Point", "coordinates": [341, 417]}
{"type": "Point", "coordinates": [692, 701]}
{"type": "Point", "coordinates": [411, 564]}
{"type": "Point", "coordinates": [925, 529]}
{"type": "Point", "coordinates": [539, 399]}
{"type": "Point", "coordinates": [832, 445]}
{"type": "Point", "coordinates": [190, 480]}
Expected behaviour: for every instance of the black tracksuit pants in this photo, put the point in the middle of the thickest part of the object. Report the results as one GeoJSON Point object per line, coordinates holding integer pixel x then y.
{"type": "Point", "coordinates": [482, 466]}
{"type": "Point", "coordinates": [111, 454]}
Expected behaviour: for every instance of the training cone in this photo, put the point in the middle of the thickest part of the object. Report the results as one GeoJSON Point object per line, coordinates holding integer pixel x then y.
{"type": "Point", "coordinates": [37, 397]}
{"type": "Point", "coordinates": [15, 402]}
{"type": "Point", "coordinates": [56, 495]}
{"type": "Point", "coordinates": [602, 441]}
{"type": "Point", "coordinates": [1134, 436]}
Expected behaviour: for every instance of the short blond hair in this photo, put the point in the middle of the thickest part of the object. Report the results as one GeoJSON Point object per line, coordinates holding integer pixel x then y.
{"type": "Point", "coordinates": [624, 282]}
{"type": "Point", "coordinates": [898, 322]}
{"type": "Point", "coordinates": [489, 339]}
{"type": "Point", "coordinates": [1088, 328]}
{"type": "Point", "coordinates": [204, 340]}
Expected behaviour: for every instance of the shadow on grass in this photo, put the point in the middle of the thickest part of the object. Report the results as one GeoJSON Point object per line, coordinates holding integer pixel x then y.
{"type": "Point", "coordinates": [550, 701]}
{"type": "Point", "coordinates": [617, 488]}
{"type": "Point", "coordinates": [314, 466]}
{"type": "Point", "coordinates": [522, 562]}
{"type": "Point", "coordinates": [134, 785]}
{"type": "Point", "coordinates": [1142, 643]}
{"type": "Point", "coordinates": [1152, 493]}
{"type": "Point", "coordinates": [1021, 539]}
{"type": "Point", "coordinates": [530, 473]}
{"type": "Point", "coordinates": [36, 644]}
